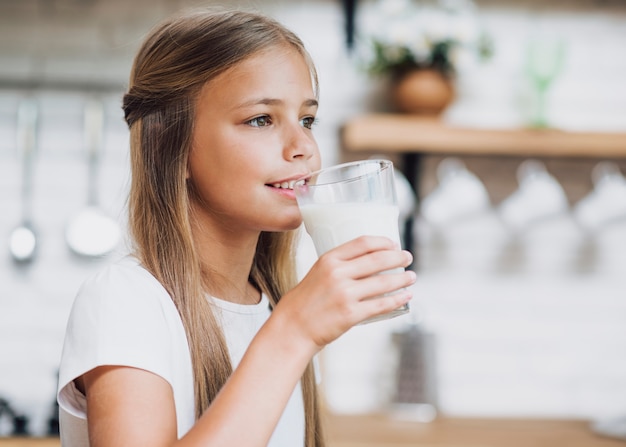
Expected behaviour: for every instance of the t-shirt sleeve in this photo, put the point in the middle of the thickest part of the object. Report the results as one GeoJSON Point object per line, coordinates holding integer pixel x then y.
{"type": "Point", "coordinates": [122, 316]}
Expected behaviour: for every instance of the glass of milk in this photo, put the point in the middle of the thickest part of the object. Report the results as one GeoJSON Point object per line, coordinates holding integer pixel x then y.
{"type": "Point", "coordinates": [343, 202]}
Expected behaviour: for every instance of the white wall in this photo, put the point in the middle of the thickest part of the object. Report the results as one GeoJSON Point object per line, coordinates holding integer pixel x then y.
{"type": "Point", "coordinates": [542, 340]}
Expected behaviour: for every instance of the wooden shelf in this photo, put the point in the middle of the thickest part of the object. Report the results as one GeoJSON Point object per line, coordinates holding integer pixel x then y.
{"type": "Point", "coordinates": [389, 133]}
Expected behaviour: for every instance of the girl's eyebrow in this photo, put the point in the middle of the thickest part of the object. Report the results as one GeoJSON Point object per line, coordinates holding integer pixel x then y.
{"type": "Point", "coordinates": [311, 103]}
{"type": "Point", "coordinates": [273, 101]}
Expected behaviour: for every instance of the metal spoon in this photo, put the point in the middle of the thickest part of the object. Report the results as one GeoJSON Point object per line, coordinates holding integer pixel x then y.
{"type": "Point", "coordinates": [23, 239]}
{"type": "Point", "coordinates": [91, 233]}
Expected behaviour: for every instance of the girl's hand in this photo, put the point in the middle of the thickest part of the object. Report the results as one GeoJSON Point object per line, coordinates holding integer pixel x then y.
{"type": "Point", "coordinates": [336, 293]}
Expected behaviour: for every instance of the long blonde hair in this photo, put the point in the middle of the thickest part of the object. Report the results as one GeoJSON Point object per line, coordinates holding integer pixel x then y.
{"type": "Point", "coordinates": [174, 62]}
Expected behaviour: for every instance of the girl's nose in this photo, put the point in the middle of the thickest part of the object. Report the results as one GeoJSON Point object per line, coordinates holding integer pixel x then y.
{"type": "Point", "coordinates": [300, 144]}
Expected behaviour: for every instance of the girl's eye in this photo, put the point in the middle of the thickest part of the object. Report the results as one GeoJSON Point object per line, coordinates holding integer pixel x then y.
{"type": "Point", "coordinates": [260, 121]}
{"type": "Point", "coordinates": [308, 122]}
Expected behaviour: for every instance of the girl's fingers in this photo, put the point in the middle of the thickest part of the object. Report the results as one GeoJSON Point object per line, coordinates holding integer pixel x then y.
{"type": "Point", "coordinates": [377, 262]}
{"type": "Point", "coordinates": [351, 283]}
{"type": "Point", "coordinates": [381, 305]}
{"type": "Point", "coordinates": [363, 245]}
{"type": "Point", "coordinates": [383, 284]}
{"type": "Point", "coordinates": [366, 256]}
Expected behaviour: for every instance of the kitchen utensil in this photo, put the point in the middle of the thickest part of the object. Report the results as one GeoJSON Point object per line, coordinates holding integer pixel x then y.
{"type": "Point", "coordinates": [612, 428]}
{"type": "Point", "coordinates": [415, 396]}
{"type": "Point", "coordinates": [91, 232]}
{"type": "Point", "coordinates": [459, 194]}
{"type": "Point", "coordinates": [539, 196]}
{"type": "Point", "coordinates": [23, 239]}
{"type": "Point", "coordinates": [19, 421]}
{"type": "Point", "coordinates": [606, 202]}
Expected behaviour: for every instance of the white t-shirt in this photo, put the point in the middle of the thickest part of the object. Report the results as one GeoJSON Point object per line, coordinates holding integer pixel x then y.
{"type": "Point", "coordinates": [124, 316]}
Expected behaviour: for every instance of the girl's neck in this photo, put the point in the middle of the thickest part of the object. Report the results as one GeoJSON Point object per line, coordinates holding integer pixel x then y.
{"type": "Point", "coordinates": [249, 296]}
{"type": "Point", "coordinates": [227, 261]}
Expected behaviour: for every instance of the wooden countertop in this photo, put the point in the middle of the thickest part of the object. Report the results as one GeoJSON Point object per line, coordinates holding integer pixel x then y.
{"type": "Point", "coordinates": [30, 442]}
{"type": "Point", "coordinates": [398, 133]}
{"type": "Point", "coordinates": [382, 431]}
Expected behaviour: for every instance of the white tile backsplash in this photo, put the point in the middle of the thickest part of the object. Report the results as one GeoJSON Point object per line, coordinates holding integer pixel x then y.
{"type": "Point", "coordinates": [527, 327]}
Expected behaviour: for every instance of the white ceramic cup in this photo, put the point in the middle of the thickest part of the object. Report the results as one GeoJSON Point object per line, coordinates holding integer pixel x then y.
{"type": "Point", "coordinates": [343, 202]}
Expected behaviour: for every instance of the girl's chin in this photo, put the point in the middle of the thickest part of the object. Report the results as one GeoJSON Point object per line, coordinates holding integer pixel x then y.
{"type": "Point", "coordinates": [294, 226]}
{"type": "Point", "coordinates": [291, 225]}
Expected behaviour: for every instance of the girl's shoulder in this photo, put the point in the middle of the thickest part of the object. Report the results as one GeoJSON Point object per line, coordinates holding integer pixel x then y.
{"type": "Point", "coordinates": [124, 286]}
{"type": "Point", "coordinates": [124, 272]}
{"type": "Point", "coordinates": [123, 316]}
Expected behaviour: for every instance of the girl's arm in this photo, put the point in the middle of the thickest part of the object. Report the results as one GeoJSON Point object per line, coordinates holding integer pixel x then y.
{"type": "Point", "coordinates": [130, 407]}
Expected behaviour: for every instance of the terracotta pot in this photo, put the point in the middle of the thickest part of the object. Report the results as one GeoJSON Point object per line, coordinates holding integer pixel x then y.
{"type": "Point", "coordinates": [423, 92]}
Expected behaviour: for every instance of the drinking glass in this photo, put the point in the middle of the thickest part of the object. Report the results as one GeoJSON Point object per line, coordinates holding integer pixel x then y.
{"type": "Point", "coordinates": [343, 202]}
{"type": "Point", "coordinates": [544, 61]}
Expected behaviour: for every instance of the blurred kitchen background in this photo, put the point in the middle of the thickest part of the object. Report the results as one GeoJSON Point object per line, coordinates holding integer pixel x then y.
{"type": "Point", "coordinates": [520, 306]}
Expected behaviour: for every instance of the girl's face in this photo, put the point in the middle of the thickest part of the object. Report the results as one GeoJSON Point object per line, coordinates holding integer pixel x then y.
{"type": "Point", "coordinates": [252, 139]}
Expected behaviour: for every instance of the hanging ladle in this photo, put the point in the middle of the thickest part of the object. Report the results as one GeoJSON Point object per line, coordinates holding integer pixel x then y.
{"type": "Point", "coordinates": [23, 239]}
{"type": "Point", "coordinates": [91, 232]}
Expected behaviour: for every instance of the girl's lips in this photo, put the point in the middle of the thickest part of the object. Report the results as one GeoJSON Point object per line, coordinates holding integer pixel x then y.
{"type": "Point", "coordinates": [287, 184]}
{"type": "Point", "coordinates": [287, 192]}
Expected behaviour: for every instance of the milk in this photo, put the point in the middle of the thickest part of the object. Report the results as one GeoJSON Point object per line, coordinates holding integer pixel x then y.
{"type": "Point", "coordinates": [330, 225]}
{"type": "Point", "coordinates": [343, 202]}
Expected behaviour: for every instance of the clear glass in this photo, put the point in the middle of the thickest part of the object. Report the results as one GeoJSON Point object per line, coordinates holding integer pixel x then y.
{"type": "Point", "coordinates": [544, 62]}
{"type": "Point", "coordinates": [346, 201]}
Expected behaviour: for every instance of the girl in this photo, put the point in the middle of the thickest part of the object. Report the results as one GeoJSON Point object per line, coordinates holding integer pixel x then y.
{"type": "Point", "coordinates": [202, 337]}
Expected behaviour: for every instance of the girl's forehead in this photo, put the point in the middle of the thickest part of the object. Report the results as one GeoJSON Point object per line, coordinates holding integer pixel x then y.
{"type": "Point", "coordinates": [275, 54]}
{"type": "Point", "coordinates": [260, 63]}
{"type": "Point", "coordinates": [279, 72]}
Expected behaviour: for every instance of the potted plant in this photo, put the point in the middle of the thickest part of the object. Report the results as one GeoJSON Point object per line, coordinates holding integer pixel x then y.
{"type": "Point", "coordinates": [419, 45]}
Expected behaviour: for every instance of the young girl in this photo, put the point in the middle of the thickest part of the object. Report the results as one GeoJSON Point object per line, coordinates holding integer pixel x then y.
{"type": "Point", "coordinates": [202, 337]}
